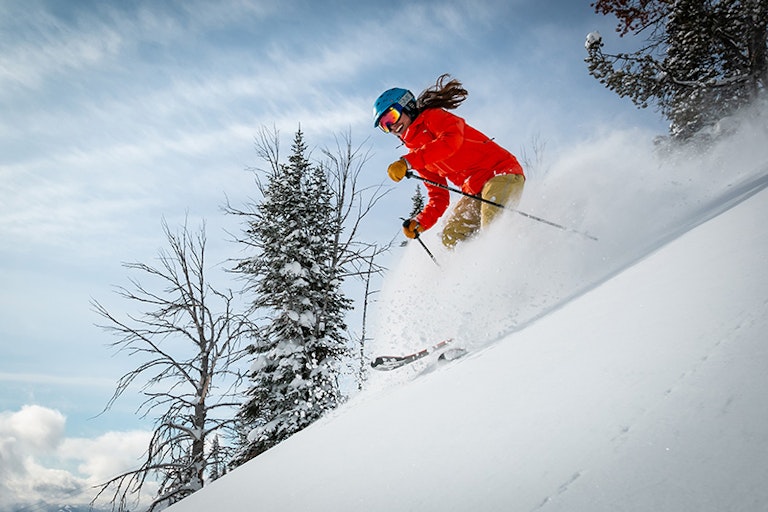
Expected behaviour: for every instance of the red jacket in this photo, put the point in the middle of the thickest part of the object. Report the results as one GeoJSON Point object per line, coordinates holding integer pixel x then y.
{"type": "Point", "coordinates": [444, 147]}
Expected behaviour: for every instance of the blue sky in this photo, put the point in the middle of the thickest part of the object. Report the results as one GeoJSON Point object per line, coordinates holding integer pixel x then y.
{"type": "Point", "coordinates": [116, 115]}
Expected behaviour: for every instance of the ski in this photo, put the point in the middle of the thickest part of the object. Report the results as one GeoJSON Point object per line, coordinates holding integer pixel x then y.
{"type": "Point", "coordinates": [387, 363]}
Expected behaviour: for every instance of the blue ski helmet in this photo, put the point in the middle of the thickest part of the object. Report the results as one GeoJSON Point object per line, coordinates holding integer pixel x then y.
{"type": "Point", "coordinates": [401, 99]}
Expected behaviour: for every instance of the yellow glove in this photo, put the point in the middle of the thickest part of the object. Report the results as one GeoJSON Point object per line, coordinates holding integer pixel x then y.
{"type": "Point", "coordinates": [397, 170]}
{"type": "Point", "coordinates": [411, 228]}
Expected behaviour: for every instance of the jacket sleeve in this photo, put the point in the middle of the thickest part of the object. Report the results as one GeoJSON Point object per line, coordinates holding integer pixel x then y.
{"type": "Point", "coordinates": [439, 199]}
{"type": "Point", "coordinates": [448, 136]}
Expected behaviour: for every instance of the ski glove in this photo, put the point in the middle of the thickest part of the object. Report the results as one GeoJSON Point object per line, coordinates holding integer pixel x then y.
{"type": "Point", "coordinates": [397, 170]}
{"type": "Point", "coordinates": [411, 228]}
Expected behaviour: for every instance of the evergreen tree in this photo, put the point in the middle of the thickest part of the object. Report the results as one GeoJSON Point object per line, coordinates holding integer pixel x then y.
{"type": "Point", "coordinates": [297, 351]}
{"type": "Point", "coordinates": [702, 59]}
{"type": "Point", "coordinates": [417, 201]}
{"type": "Point", "coordinates": [216, 461]}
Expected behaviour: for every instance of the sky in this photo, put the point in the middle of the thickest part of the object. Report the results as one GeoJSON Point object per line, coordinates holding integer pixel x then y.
{"type": "Point", "coordinates": [119, 115]}
{"type": "Point", "coordinates": [636, 384]}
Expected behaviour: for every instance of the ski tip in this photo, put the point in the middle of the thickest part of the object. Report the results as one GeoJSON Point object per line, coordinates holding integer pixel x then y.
{"type": "Point", "coordinates": [452, 354]}
{"type": "Point", "coordinates": [384, 362]}
{"type": "Point", "coordinates": [380, 361]}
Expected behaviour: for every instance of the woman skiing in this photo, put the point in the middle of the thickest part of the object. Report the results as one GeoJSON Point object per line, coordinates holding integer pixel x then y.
{"type": "Point", "coordinates": [443, 147]}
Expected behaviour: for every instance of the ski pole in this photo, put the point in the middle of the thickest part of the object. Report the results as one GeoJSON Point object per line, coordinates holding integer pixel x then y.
{"type": "Point", "coordinates": [418, 238]}
{"type": "Point", "coordinates": [427, 250]}
{"type": "Point", "coordinates": [411, 174]}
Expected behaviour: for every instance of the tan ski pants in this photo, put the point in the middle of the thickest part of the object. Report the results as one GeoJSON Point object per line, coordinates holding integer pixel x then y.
{"type": "Point", "coordinates": [469, 214]}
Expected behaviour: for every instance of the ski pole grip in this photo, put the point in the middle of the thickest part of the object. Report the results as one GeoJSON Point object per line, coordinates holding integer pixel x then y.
{"type": "Point", "coordinates": [409, 173]}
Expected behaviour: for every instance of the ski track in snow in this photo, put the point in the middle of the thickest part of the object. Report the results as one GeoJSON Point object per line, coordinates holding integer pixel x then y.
{"type": "Point", "coordinates": [560, 490]}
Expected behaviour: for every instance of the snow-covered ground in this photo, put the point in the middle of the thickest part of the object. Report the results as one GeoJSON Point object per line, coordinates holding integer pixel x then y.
{"type": "Point", "coordinates": [627, 374]}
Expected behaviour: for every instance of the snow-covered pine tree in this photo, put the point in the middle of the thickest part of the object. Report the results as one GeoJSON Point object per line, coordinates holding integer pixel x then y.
{"type": "Point", "coordinates": [701, 60]}
{"type": "Point", "coordinates": [297, 351]}
{"type": "Point", "coordinates": [327, 344]}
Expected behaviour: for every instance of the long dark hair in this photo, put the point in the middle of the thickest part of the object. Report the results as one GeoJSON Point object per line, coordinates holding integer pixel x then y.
{"type": "Point", "coordinates": [447, 93]}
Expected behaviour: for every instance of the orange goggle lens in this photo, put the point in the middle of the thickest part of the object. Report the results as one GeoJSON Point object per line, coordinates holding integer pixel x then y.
{"type": "Point", "coordinates": [390, 117]}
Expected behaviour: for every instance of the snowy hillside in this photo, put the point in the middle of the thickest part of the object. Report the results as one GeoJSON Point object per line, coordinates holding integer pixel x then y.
{"type": "Point", "coordinates": [623, 374]}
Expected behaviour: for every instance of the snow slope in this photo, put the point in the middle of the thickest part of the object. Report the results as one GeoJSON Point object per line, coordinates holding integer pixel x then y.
{"type": "Point", "coordinates": [627, 374]}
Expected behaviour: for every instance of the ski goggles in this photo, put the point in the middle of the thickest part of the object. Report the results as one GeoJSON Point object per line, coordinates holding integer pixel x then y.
{"type": "Point", "coordinates": [389, 117]}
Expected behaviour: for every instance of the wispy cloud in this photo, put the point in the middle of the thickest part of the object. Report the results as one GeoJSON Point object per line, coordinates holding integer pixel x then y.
{"type": "Point", "coordinates": [48, 48]}
{"type": "Point", "coordinates": [93, 159]}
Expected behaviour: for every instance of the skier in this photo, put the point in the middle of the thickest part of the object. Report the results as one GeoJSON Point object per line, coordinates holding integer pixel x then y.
{"type": "Point", "coordinates": [442, 146]}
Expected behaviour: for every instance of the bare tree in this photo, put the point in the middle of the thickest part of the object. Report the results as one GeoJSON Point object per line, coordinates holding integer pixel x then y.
{"type": "Point", "coordinates": [188, 341]}
{"type": "Point", "coordinates": [533, 162]}
{"type": "Point", "coordinates": [362, 375]}
{"type": "Point", "coordinates": [353, 203]}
